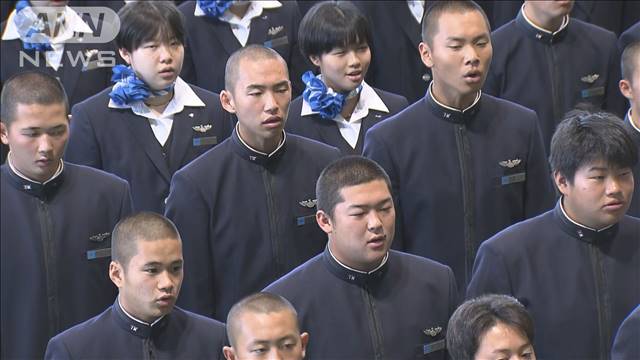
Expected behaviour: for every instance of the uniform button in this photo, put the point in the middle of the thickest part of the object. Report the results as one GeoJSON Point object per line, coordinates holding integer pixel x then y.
{"type": "Point", "coordinates": [538, 36]}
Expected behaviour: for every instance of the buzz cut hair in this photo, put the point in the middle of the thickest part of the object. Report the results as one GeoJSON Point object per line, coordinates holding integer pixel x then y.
{"type": "Point", "coordinates": [258, 303]}
{"type": "Point", "coordinates": [254, 52]}
{"type": "Point", "coordinates": [143, 226]}
{"type": "Point", "coordinates": [346, 171]}
{"type": "Point", "coordinates": [431, 17]}
{"type": "Point", "coordinates": [29, 88]}
{"type": "Point", "coordinates": [630, 60]}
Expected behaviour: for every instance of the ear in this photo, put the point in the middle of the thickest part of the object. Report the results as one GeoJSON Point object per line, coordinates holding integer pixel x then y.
{"type": "Point", "coordinates": [425, 54]}
{"type": "Point", "coordinates": [226, 99]}
{"type": "Point", "coordinates": [625, 89]}
{"type": "Point", "coordinates": [4, 133]}
{"type": "Point", "coordinates": [304, 340]}
{"type": "Point", "coordinates": [562, 183]}
{"type": "Point", "coordinates": [315, 60]}
{"type": "Point", "coordinates": [228, 353]}
{"type": "Point", "coordinates": [126, 55]}
{"type": "Point", "coordinates": [324, 221]}
{"type": "Point", "coordinates": [116, 274]}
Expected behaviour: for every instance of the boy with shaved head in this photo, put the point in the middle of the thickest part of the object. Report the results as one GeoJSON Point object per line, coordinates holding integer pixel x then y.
{"type": "Point", "coordinates": [246, 208]}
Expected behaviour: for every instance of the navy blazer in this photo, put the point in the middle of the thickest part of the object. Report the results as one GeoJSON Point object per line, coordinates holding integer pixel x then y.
{"type": "Point", "coordinates": [327, 131]}
{"type": "Point", "coordinates": [210, 42]}
{"type": "Point", "coordinates": [121, 142]}
{"type": "Point", "coordinates": [396, 65]}
{"type": "Point", "coordinates": [626, 344]}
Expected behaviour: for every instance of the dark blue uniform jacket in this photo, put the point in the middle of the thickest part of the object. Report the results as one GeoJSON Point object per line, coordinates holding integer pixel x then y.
{"type": "Point", "coordinates": [550, 74]}
{"type": "Point", "coordinates": [121, 142]}
{"type": "Point", "coordinates": [327, 130]}
{"type": "Point", "coordinates": [395, 63]}
{"type": "Point", "coordinates": [210, 42]}
{"type": "Point", "coordinates": [634, 208]}
{"type": "Point", "coordinates": [399, 311]}
{"type": "Point", "coordinates": [245, 219]}
{"type": "Point", "coordinates": [114, 335]}
{"type": "Point", "coordinates": [626, 345]}
{"type": "Point", "coordinates": [460, 177]}
{"type": "Point", "coordinates": [578, 284]}
{"type": "Point", "coordinates": [55, 250]}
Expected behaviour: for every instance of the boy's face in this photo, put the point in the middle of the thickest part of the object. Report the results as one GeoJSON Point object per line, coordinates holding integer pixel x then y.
{"type": "Point", "coordinates": [502, 341]}
{"type": "Point", "coordinates": [158, 63]}
{"type": "Point", "coordinates": [630, 88]}
{"type": "Point", "coordinates": [598, 196]}
{"type": "Point", "coordinates": [459, 55]}
{"type": "Point", "coordinates": [344, 69]}
{"type": "Point", "coordinates": [37, 137]}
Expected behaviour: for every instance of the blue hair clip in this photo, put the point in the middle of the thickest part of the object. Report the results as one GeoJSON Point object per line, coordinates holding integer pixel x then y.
{"type": "Point", "coordinates": [214, 8]}
{"type": "Point", "coordinates": [30, 27]}
{"type": "Point", "coordinates": [327, 104]}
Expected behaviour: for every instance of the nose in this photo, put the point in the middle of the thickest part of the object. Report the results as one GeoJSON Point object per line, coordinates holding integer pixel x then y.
{"type": "Point", "coordinates": [353, 60]}
{"type": "Point", "coordinates": [45, 145]}
{"type": "Point", "coordinates": [471, 55]}
{"type": "Point", "coordinates": [270, 103]}
{"type": "Point", "coordinates": [165, 53]}
{"type": "Point", "coordinates": [374, 222]}
{"type": "Point", "coordinates": [613, 186]}
{"type": "Point", "coordinates": [166, 282]}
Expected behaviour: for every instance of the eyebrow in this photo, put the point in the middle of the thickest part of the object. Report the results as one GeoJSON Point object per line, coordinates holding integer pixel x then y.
{"type": "Point", "coordinates": [598, 168]}
{"type": "Point", "coordinates": [47, 128]}
{"type": "Point", "coordinates": [262, 87]}
{"type": "Point", "coordinates": [461, 39]}
{"type": "Point", "coordinates": [362, 206]}
{"type": "Point", "coordinates": [158, 263]}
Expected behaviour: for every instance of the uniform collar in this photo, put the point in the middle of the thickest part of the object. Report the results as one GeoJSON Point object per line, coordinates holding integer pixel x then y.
{"type": "Point", "coordinates": [73, 21]}
{"type": "Point", "coordinates": [250, 154]}
{"type": "Point", "coordinates": [369, 100]}
{"type": "Point", "coordinates": [447, 113]}
{"type": "Point", "coordinates": [40, 190]}
{"type": "Point", "coordinates": [628, 120]}
{"type": "Point", "coordinates": [353, 276]}
{"type": "Point", "coordinates": [538, 33]}
{"type": "Point", "coordinates": [135, 326]}
{"type": "Point", "coordinates": [183, 95]}
{"type": "Point", "coordinates": [579, 231]}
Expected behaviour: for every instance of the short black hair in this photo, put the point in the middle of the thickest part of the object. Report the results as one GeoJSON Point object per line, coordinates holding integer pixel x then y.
{"type": "Point", "coordinates": [629, 60]}
{"type": "Point", "coordinates": [144, 21]}
{"type": "Point", "coordinates": [260, 303]}
{"type": "Point", "coordinates": [347, 171]}
{"type": "Point", "coordinates": [330, 24]}
{"type": "Point", "coordinates": [253, 52]}
{"type": "Point", "coordinates": [436, 8]}
{"type": "Point", "coordinates": [28, 88]}
{"type": "Point", "coordinates": [584, 136]}
{"type": "Point", "coordinates": [145, 226]}
{"type": "Point", "coordinates": [476, 316]}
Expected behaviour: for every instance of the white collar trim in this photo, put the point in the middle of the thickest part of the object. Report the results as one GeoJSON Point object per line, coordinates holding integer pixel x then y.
{"type": "Point", "coordinates": [17, 172]}
{"type": "Point", "coordinates": [577, 223]}
{"type": "Point", "coordinates": [565, 22]}
{"type": "Point", "coordinates": [384, 261]}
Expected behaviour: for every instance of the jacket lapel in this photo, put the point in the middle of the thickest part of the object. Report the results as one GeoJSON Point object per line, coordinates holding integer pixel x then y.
{"type": "Point", "coordinates": [409, 25]}
{"type": "Point", "coordinates": [142, 130]}
{"type": "Point", "coordinates": [222, 32]}
{"type": "Point", "coordinates": [183, 135]}
{"type": "Point", "coordinates": [258, 32]}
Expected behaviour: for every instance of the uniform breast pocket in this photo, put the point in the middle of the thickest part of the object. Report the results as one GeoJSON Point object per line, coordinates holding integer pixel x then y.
{"type": "Point", "coordinates": [277, 42]}
{"type": "Point", "coordinates": [99, 247]}
{"type": "Point", "coordinates": [594, 95]}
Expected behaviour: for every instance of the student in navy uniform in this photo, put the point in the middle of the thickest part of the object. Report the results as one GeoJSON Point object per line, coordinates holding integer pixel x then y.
{"type": "Point", "coordinates": [626, 345]}
{"type": "Point", "coordinates": [264, 326]}
{"type": "Point", "coordinates": [83, 67]}
{"type": "Point", "coordinates": [358, 299]}
{"type": "Point", "coordinates": [549, 62]}
{"type": "Point", "coordinates": [143, 322]}
{"type": "Point", "coordinates": [151, 122]}
{"type": "Point", "coordinates": [463, 164]}
{"type": "Point", "coordinates": [338, 107]}
{"type": "Point", "coordinates": [575, 267]}
{"type": "Point", "coordinates": [246, 208]}
{"type": "Point", "coordinates": [216, 29]}
{"type": "Point", "coordinates": [630, 89]}
{"type": "Point", "coordinates": [395, 36]}
{"type": "Point", "coordinates": [491, 327]}
{"type": "Point", "coordinates": [55, 221]}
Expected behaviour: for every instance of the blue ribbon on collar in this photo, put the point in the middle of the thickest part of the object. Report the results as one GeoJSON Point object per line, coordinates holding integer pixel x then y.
{"type": "Point", "coordinates": [30, 26]}
{"type": "Point", "coordinates": [316, 94]}
{"type": "Point", "coordinates": [215, 8]}
{"type": "Point", "coordinates": [129, 88]}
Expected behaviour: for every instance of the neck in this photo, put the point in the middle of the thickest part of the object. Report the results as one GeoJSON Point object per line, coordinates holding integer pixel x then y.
{"type": "Point", "coordinates": [266, 146]}
{"type": "Point", "coordinates": [456, 101]}
{"type": "Point", "coordinates": [159, 103]}
{"type": "Point", "coordinates": [365, 268]}
{"type": "Point", "coordinates": [349, 106]}
{"type": "Point", "coordinates": [551, 24]}
{"type": "Point", "coordinates": [239, 9]}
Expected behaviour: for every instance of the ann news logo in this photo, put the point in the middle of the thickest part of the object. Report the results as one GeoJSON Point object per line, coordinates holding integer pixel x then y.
{"type": "Point", "coordinates": [47, 26]}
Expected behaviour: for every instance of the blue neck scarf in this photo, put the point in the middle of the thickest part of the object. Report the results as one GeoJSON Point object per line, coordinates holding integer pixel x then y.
{"type": "Point", "coordinates": [30, 27]}
{"type": "Point", "coordinates": [129, 88]}
{"type": "Point", "coordinates": [214, 8]}
{"type": "Point", "coordinates": [327, 104]}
